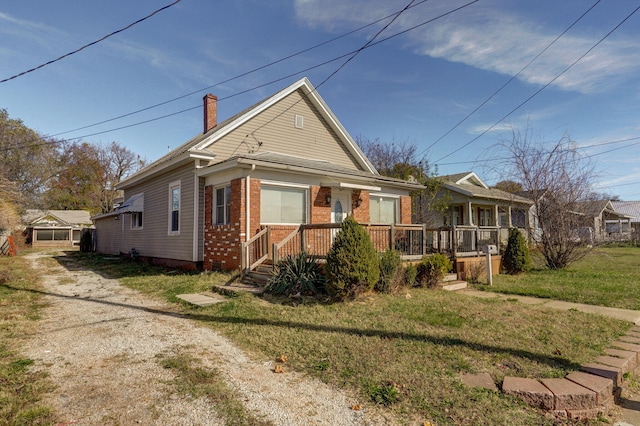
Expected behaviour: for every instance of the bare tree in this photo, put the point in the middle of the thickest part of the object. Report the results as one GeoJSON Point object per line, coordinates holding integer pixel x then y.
{"type": "Point", "coordinates": [400, 160]}
{"type": "Point", "coordinates": [558, 180]}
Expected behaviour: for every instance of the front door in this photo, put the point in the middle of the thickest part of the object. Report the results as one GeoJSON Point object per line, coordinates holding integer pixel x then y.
{"type": "Point", "coordinates": [340, 205]}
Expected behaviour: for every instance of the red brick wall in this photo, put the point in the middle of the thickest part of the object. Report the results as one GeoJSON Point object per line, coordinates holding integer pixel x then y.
{"type": "Point", "coordinates": [405, 209]}
{"type": "Point", "coordinates": [223, 243]}
{"type": "Point", "coordinates": [320, 209]}
{"type": "Point", "coordinates": [361, 213]}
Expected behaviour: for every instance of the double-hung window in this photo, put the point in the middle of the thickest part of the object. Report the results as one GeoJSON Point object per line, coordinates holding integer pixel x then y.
{"type": "Point", "coordinates": [283, 204]}
{"type": "Point", "coordinates": [383, 209]}
{"type": "Point", "coordinates": [222, 212]}
{"type": "Point", "coordinates": [484, 217]}
{"type": "Point", "coordinates": [174, 208]}
{"type": "Point", "coordinates": [136, 220]}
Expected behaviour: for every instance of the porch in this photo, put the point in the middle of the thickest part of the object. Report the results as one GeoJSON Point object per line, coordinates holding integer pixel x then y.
{"type": "Point", "coordinates": [413, 241]}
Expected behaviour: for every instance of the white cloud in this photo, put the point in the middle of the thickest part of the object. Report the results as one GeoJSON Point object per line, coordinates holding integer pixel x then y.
{"type": "Point", "coordinates": [492, 39]}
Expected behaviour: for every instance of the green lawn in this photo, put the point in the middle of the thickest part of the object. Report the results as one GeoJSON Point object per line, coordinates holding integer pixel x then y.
{"type": "Point", "coordinates": [408, 351]}
{"type": "Point", "coordinates": [606, 276]}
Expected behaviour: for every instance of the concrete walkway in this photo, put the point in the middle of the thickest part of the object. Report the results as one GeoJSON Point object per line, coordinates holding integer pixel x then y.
{"type": "Point", "coordinates": [621, 314]}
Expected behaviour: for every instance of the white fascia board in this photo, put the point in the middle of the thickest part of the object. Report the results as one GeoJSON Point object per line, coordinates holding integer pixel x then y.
{"type": "Point", "coordinates": [159, 168]}
{"type": "Point", "coordinates": [346, 185]}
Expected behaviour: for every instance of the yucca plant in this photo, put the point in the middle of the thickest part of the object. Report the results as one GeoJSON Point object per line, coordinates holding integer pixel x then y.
{"type": "Point", "coordinates": [299, 274]}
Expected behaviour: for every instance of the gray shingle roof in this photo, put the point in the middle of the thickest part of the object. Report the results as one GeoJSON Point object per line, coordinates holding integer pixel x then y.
{"type": "Point", "coordinates": [630, 208]}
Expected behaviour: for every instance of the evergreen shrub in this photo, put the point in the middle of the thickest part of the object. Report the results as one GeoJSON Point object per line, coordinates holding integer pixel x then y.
{"type": "Point", "coordinates": [352, 262]}
{"type": "Point", "coordinates": [432, 269]}
{"type": "Point", "coordinates": [516, 256]}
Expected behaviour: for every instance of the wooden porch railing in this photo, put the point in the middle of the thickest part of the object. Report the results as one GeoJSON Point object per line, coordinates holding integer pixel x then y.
{"type": "Point", "coordinates": [412, 241]}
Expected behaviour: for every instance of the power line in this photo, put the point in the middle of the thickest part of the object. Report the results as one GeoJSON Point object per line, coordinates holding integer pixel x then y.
{"type": "Point", "coordinates": [40, 142]}
{"type": "Point", "coordinates": [510, 80]}
{"type": "Point", "coordinates": [244, 74]}
{"type": "Point", "coordinates": [541, 89]}
{"type": "Point", "coordinates": [90, 44]}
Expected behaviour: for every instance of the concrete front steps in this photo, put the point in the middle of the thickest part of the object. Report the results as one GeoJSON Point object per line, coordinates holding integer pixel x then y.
{"type": "Point", "coordinates": [583, 394]}
{"type": "Point", "coordinates": [450, 282]}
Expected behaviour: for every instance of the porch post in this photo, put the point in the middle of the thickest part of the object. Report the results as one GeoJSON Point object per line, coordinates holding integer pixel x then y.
{"type": "Point", "coordinates": [469, 213]}
{"type": "Point", "coordinates": [509, 221]}
{"type": "Point", "coordinates": [424, 239]}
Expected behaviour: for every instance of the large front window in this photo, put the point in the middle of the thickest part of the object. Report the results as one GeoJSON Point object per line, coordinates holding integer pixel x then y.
{"type": "Point", "coordinates": [174, 208]}
{"type": "Point", "coordinates": [283, 205]}
{"type": "Point", "coordinates": [383, 209]}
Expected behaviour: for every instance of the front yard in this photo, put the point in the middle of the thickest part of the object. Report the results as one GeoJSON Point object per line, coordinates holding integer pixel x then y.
{"type": "Point", "coordinates": [608, 276]}
{"type": "Point", "coordinates": [408, 351]}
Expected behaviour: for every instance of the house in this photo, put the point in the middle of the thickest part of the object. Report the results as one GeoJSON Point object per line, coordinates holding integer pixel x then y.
{"type": "Point", "coordinates": [475, 206]}
{"type": "Point", "coordinates": [632, 210]}
{"type": "Point", "coordinates": [55, 228]}
{"type": "Point", "coordinates": [260, 175]}
{"type": "Point", "coordinates": [599, 218]}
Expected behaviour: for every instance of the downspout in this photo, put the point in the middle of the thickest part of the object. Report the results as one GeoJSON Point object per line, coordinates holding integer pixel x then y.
{"type": "Point", "coordinates": [196, 214]}
{"type": "Point", "coordinates": [247, 194]}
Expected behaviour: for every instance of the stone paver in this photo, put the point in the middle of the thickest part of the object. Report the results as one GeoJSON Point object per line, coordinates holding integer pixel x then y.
{"type": "Point", "coordinates": [569, 395]}
{"type": "Point", "coordinates": [601, 370]}
{"type": "Point", "coordinates": [483, 380]}
{"type": "Point", "coordinates": [530, 391]}
{"type": "Point", "coordinates": [602, 386]}
{"type": "Point", "coordinates": [621, 363]}
{"type": "Point", "coordinates": [201, 299]}
{"type": "Point", "coordinates": [630, 356]}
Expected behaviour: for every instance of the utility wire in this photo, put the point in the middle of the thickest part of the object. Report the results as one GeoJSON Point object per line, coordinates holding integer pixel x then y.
{"type": "Point", "coordinates": [510, 80]}
{"type": "Point", "coordinates": [337, 70]}
{"type": "Point", "coordinates": [90, 44]}
{"type": "Point", "coordinates": [244, 74]}
{"type": "Point", "coordinates": [542, 88]}
{"type": "Point", "coordinates": [40, 142]}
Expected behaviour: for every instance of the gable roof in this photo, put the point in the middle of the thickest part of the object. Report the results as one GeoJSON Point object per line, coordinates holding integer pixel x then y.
{"type": "Point", "coordinates": [63, 217]}
{"type": "Point", "coordinates": [202, 146]}
{"type": "Point", "coordinates": [630, 208]}
{"type": "Point", "coordinates": [470, 185]}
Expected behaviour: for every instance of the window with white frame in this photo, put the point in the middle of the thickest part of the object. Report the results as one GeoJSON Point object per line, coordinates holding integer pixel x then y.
{"type": "Point", "coordinates": [136, 220]}
{"type": "Point", "coordinates": [383, 209]}
{"type": "Point", "coordinates": [174, 208]}
{"type": "Point", "coordinates": [222, 205]}
{"type": "Point", "coordinates": [283, 204]}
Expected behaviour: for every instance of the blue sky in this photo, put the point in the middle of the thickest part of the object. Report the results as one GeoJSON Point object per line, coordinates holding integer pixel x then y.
{"type": "Point", "coordinates": [413, 88]}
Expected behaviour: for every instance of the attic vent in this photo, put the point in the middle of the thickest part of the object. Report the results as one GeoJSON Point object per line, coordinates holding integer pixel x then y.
{"type": "Point", "coordinates": [299, 123]}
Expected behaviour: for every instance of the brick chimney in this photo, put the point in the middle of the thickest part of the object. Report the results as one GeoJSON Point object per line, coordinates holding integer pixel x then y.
{"type": "Point", "coordinates": [210, 112]}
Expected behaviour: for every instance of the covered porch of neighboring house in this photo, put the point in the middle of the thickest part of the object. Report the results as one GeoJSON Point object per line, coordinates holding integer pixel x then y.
{"type": "Point", "coordinates": [462, 244]}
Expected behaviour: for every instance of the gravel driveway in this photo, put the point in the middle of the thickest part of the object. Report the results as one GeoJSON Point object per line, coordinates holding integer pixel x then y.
{"type": "Point", "coordinates": [100, 343]}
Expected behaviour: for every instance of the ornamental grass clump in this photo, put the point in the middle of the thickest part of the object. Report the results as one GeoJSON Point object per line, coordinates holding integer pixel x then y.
{"type": "Point", "coordinates": [299, 274]}
{"type": "Point", "coordinates": [352, 263]}
{"type": "Point", "coordinates": [391, 272]}
{"type": "Point", "coordinates": [516, 256]}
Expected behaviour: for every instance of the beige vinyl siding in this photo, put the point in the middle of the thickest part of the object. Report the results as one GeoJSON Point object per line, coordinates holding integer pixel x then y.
{"type": "Point", "coordinates": [109, 235]}
{"type": "Point", "coordinates": [201, 219]}
{"type": "Point", "coordinates": [275, 130]}
{"type": "Point", "coordinates": [153, 240]}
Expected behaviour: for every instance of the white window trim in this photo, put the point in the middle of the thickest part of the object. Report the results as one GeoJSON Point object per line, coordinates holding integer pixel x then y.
{"type": "Point", "coordinates": [214, 203]}
{"type": "Point", "coordinates": [383, 195]}
{"type": "Point", "coordinates": [274, 184]}
{"type": "Point", "coordinates": [136, 228]}
{"type": "Point", "coordinates": [173, 185]}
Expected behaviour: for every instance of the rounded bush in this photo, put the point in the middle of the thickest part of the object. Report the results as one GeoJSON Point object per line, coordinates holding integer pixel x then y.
{"type": "Point", "coordinates": [390, 269]}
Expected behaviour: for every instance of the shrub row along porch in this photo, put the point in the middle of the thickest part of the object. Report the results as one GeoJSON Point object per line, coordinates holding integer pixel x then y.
{"type": "Point", "coordinates": [275, 242]}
